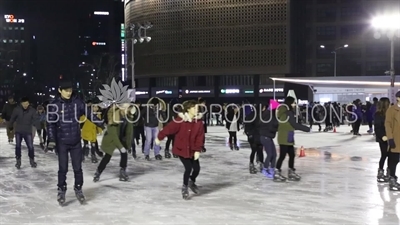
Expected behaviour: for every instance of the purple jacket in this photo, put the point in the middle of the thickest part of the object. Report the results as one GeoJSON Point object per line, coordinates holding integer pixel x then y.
{"type": "Point", "coordinates": [63, 115]}
{"type": "Point", "coordinates": [358, 112]}
{"type": "Point", "coordinates": [371, 113]}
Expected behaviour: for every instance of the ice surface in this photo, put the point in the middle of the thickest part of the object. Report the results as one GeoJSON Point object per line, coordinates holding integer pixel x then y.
{"type": "Point", "coordinates": [333, 190]}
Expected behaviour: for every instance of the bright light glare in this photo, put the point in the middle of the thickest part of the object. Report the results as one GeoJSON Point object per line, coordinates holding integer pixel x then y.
{"type": "Point", "coordinates": [390, 22]}
{"type": "Point", "coordinates": [346, 46]}
{"type": "Point", "coordinates": [322, 46]}
{"type": "Point", "coordinates": [334, 82]}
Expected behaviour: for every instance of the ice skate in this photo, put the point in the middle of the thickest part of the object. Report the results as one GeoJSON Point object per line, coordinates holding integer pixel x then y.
{"type": "Point", "coordinates": [10, 140]}
{"type": "Point", "coordinates": [185, 192]}
{"type": "Point", "coordinates": [237, 148]}
{"type": "Point", "coordinates": [268, 173]}
{"type": "Point", "coordinates": [278, 176]}
{"type": "Point", "coordinates": [93, 158]}
{"type": "Point", "coordinates": [122, 175]}
{"type": "Point", "coordinates": [79, 194]}
{"type": "Point", "coordinates": [33, 163]}
{"type": "Point", "coordinates": [167, 154]}
{"type": "Point", "coordinates": [18, 163]}
{"type": "Point", "coordinates": [42, 146]}
{"type": "Point", "coordinates": [381, 178]}
{"type": "Point", "coordinates": [86, 151]}
{"type": "Point", "coordinates": [175, 156]}
{"type": "Point", "coordinates": [61, 195]}
{"type": "Point", "coordinates": [252, 169]}
{"type": "Point", "coordinates": [231, 146]}
{"type": "Point", "coordinates": [293, 176]}
{"type": "Point", "coordinates": [134, 155]}
{"type": "Point", "coordinates": [147, 158]}
{"type": "Point", "coordinates": [393, 185]}
{"type": "Point", "coordinates": [96, 176]}
{"type": "Point", "coordinates": [99, 153]}
{"type": "Point", "coordinates": [260, 166]}
{"type": "Point", "coordinates": [158, 157]}
{"type": "Point", "coordinates": [193, 187]}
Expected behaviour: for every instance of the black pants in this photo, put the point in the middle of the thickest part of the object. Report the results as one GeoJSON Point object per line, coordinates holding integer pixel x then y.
{"type": "Point", "coordinates": [256, 147]}
{"type": "Point", "coordinates": [383, 145]}
{"type": "Point", "coordinates": [393, 160]}
{"type": "Point", "coordinates": [169, 141]}
{"type": "Point", "coordinates": [106, 159]}
{"type": "Point", "coordinates": [94, 147]}
{"type": "Point", "coordinates": [312, 123]}
{"type": "Point", "coordinates": [356, 127]}
{"type": "Point", "coordinates": [192, 169]}
{"type": "Point", "coordinates": [285, 149]}
{"type": "Point", "coordinates": [232, 137]}
{"type": "Point", "coordinates": [370, 124]}
{"type": "Point", "coordinates": [44, 133]}
{"type": "Point", "coordinates": [75, 151]}
{"type": "Point", "coordinates": [139, 134]}
{"type": "Point", "coordinates": [269, 147]}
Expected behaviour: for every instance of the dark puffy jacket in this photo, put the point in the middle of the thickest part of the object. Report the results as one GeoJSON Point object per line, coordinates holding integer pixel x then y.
{"type": "Point", "coordinates": [24, 120]}
{"type": "Point", "coordinates": [379, 127]}
{"type": "Point", "coordinates": [268, 124]}
{"type": "Point", "coordinates": [63, 120]}
{"type": "Point", "coordinates": [8, 110]}
{"type": "Point", "coordinates": [152, 116]}
{"type": "Point", "coordinates": [251, 127]}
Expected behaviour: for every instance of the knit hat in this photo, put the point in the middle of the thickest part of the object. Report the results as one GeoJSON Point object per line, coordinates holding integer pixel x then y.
{"type": "Point", "coordinates": [65, 85]}
{"type": "Point", "coordinates": [40, 108]}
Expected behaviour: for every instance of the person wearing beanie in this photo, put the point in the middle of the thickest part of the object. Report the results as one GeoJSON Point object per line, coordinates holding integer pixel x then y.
{"type": "Point", "coordinates": [287, 126]}
{"type": "Point", "coordinates": [392, 129]}
{"type": "Point", "coordinates": [63, 128]}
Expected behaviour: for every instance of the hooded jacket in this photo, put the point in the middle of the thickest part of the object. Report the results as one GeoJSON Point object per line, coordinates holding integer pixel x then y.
{"type": "Point", "coordinates": [287, 126]}
{"type": "Point", "coordinates": [189, 135]}
{"type": "Point", "coordinates": [8, 110]}
{"type": "Point", "coordinates": [24, 120]}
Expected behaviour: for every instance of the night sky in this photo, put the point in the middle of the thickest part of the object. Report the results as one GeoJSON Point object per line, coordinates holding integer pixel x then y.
{"type": "Point", "coordinates": [55, 24]}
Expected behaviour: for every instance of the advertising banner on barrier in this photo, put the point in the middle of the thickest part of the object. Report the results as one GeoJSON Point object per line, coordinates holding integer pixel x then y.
{"type": "Point", "coordinates": [236, 92]}
{"type": "Point", "coordinates": [268, 91]}
{"type": "Point", "coordinates": [167, 92]}
{"type": "Point", "coordinates": [198, 91]}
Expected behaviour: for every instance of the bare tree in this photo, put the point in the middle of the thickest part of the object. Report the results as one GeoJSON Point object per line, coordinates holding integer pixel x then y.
{"type": "Point", "coordinates": [106, 68]}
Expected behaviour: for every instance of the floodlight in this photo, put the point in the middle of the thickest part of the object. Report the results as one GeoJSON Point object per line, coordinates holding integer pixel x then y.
{"type": "Point", "coordinates": [386, 22]}
{"type": "Point", "coordinates": [148, 39]}
{"type": "Point", "coordinates": [322, 46]}
{"type": "Point", "coordinates": [345, 46]}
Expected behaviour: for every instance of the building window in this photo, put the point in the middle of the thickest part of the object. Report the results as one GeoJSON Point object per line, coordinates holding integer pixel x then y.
{"type": "Point", "coordinates": [377, 50]}
{"type": "Point", "coordinates": [22, 28]}
{"type": "Point", "coordinates": [325, 69]}
{"type": "Point", "coordinates": [351, 12]}
{"type": "Point", "coordinates": [326, 33]}
{"type": "Point", "coordinates": [379, 67]}
{"type": "Point", "coordinates": [16, 28]}
{"type": "Point", "coordinates": [22, 41]}
{"type": "Point", "coordinates": [326, 14]}
{"type": "Point", "coordinates": [350, 52]}
{"type": "Point", "coordinates": [351, 31]}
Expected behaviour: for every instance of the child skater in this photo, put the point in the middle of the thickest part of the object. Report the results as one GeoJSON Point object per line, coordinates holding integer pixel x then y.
{"type": "Point", "coordinates": [119, 135]}
{"type": "Point", "coordinates": [189, 134]}
{"type": "Point", "coordinates": [89, 135]}
{"type": "Point", "coordinates": [41, 127]}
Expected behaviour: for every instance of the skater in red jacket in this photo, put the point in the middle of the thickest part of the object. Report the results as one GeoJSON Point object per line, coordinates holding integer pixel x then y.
{"type": "Point", "coordinates": [188, 143]}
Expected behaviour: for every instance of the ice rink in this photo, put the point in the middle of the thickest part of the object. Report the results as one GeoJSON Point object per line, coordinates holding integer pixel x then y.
{"type": "Point", "coordinates": [340, 189]}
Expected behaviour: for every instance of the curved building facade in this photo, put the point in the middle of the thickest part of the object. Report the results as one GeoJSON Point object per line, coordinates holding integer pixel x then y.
{"type": "Point", "coordinates": [214, 37]}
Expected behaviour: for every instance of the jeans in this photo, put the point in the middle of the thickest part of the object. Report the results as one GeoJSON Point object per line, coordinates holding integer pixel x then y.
{"type": "Point", "coordinates": [75, 152]}
{"type": "Point", "coordinates": [151, 134]}
{"type": "Point", "coordinates": [29, 143]}
{"type": "Point", "coordinates": [269, 147]}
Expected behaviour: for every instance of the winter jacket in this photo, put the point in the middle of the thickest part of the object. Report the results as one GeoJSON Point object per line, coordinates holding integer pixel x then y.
{"type": "Point", "coordinates": [392, 126]}
{"type": "Point", "coordinates": [63, 120]}
{"type": "Point", "coordinates": [229, 118]}
{"type": "Point", "coordinates": [379, 127]}
{"type": "Point", "coordinates": [371, 113]}
{"type": "Point", "coordinates": [357, 110]}
{"type": "Point", "coordinates": [268, 124]}
{"type": "Point", "coordinates": [287, 126]}
{"type": "Point", "coordinates": [119, 133]}
{"type": "Point", "coordinates": [41, 121]}
{"type": "Point", "coordinates": [152, 116]}
{"type": "Point", "coordinates": [8, 110]}
{"type": "Point", "coordinates": [24, 120]}
{"type": "Point", "coordinates": [89, 129]}
{"type": "Point", "coordinates": [189, 135]}
{"type": "Point", "coordinates": [251, 127]}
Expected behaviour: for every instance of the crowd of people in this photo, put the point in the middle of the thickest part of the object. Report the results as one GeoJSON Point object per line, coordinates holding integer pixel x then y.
{"type": "Point", "coordinates": [63, 124]}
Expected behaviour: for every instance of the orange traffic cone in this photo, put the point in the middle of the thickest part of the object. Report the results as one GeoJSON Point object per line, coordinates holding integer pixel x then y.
{"type": "Point", "coordinates": [302, 152]}
{"type": "Point", "coordinates": [334, 129]}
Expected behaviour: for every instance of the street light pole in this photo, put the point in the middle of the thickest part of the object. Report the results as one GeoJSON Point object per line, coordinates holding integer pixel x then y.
{"type": "Point", "coordinates": [334, 69]}
{"type": "Point", "coordinates": [335, 52]}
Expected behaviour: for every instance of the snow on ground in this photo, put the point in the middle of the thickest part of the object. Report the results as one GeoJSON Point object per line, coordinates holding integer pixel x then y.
{"type": "Point", "coordinates": [341, 189]}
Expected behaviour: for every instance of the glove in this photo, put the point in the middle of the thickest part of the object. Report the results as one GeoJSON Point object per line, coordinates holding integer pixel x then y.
{"type": "Point", "coordinates": [157, 142]}
{"type": "Point", "coordinates": [196, 155]}
{"type": "Point", "coordinates": [384, 138]}
{"type": "Point", "coordinates": [391, 143]}
{"type": "Point", "coordinates": [123, 150]}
